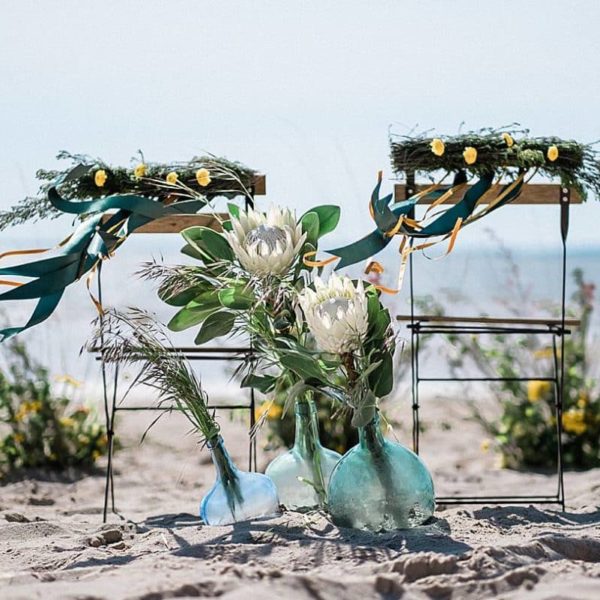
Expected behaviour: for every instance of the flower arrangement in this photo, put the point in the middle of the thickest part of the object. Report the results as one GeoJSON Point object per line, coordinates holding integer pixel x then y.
{"type": "Point", "coordinates": [511, 148]}
{"type": "Point", "coordinates": [137, 338]}
{"type": "Point", "coordinates": [43, 429]}
{"type": "Point", "coordinates": [88, 177]}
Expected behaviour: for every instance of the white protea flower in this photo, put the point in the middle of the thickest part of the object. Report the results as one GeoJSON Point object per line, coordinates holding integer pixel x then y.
{"type": "Point", "coordinates": [336, 313]}
{"type": "Point", "coordinates": [266, 244]}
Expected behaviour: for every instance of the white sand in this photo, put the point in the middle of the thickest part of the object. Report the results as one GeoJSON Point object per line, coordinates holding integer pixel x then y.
{"type": "Point", "coordinates": [157, 548]}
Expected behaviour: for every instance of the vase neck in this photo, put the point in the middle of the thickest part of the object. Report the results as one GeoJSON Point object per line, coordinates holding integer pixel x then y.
{"type": "Point", "coordinates": [370, 436]}
{"type": "Point", "coordinates": [306, 438]}
{"type": "Point", "coordinates": [224, 466]}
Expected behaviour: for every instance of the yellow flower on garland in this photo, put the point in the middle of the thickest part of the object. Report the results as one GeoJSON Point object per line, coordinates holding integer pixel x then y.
{"type": "Point", "coordinates": [438, 147]}
{"type": "Point", "coordinates": [552, 153]}
{"type": "Point", "coordinates": [485, 445]}
{"type": "Point", "coordinates": [573, 421]}
{"type": "Point", "coordinates": [508, 139]}
{"type": "Point", "coordinates": [172, 178]}
{"type": "Point", "coordinates": [470, 155]}
{"type": "Point", "coordinates": [203, 177]}
{"type": "Point", "coordinates": [537, 390]}
{"type": "Point", "coordinates": [140, 171]}
{"type": "Point", "coordinates": [19, 438]}
{"type": "Point", "coordinates": [100, 177]}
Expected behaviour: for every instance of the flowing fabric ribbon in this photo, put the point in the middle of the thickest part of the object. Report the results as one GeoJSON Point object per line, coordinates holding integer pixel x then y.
{"type": "Point", "coordinates": [398, 219]}
{"type": "Point", "coordinates": [92, 241]}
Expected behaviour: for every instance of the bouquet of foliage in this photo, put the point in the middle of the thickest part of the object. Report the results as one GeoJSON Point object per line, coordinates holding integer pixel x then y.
{"type": "Point", "coordinates": [45, 429]}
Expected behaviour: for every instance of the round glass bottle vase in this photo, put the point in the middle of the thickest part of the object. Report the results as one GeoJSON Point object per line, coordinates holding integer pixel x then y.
{"type": "Point", "coordinates": [380, 485]}
{"type": "Point", "coordinates": [236, 495]}
{"type": "Point", "coordinates": [302, 473]}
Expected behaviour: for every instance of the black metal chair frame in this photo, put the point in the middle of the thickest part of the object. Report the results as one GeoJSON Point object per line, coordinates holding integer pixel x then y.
{"type": "Point", "coordinates": [557, 328]}
{"type": "Point", "coordinates": [112, 406]}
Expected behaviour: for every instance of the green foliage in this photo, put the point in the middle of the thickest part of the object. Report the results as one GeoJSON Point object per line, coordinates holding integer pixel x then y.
{"type": "Point", "coordinates": [42, 429]}
{"type": "Point", "coordinates": [576, 165]}
{"type": "Point", "coordinates": [525, 433]}
{"type": "Point", "coordinates": [227, 179]}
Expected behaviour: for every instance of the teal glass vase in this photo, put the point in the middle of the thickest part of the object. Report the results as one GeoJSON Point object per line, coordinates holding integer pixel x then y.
{"type": "Point", "coordinates": [236, 495]}
{"type": "Point", "coordinates": [302, 474]}
{"type": "Point", "coordinates": [380, 485]}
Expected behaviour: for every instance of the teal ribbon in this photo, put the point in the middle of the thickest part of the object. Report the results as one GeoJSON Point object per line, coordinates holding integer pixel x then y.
{"type": "Point", "coordinates": [386, 218]}
{"type": "Point", "coordinates": [91, 242]}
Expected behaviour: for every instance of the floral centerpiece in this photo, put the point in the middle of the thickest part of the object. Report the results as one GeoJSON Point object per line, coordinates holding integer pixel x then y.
{"type": "Point", "coordinates": [246, 283]}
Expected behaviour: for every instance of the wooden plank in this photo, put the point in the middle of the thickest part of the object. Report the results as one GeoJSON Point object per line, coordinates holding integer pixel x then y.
{"type": "Point", "coordinates": [178, 223]}
{"type": "Point", "coordinates": [487, 320]}
{"type": "Point", "coordinates": [532, 193]}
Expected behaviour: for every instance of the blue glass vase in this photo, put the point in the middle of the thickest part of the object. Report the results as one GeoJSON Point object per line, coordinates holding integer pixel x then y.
{"type": "Point", "coordinates": [236, 495]}
{"type": "Point", "coordinates": [302, 473]}
{"type": "Point", "coordinates": [380, 485]}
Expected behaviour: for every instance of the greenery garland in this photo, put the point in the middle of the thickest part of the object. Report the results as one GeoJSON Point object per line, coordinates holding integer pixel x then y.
{"type": "Point", "coordinates": [576, 165]}
{"type": "Point", "coordinates": [89, 177]}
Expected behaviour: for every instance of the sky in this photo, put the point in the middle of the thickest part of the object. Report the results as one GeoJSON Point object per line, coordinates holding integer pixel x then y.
{"type": "Point", "coordinates": [306, 92]}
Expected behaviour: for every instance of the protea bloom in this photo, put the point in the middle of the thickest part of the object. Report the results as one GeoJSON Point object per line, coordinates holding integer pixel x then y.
{"type": "Point", "coordinates": [336, 313]}
{"type": "Point", "coordinates": [266, 244]}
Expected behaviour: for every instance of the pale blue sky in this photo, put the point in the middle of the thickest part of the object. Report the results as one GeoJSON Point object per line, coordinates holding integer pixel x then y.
{"type": "Point", "coordinates": [304, 91]}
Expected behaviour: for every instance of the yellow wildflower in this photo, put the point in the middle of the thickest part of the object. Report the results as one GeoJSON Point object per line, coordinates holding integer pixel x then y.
{"type": "Point", "coordinates": [19, 438]}
{"type": "Point", "coordinates": [573, 421]}
{"type": "Point", "coordinates": [552, 153]}
{"type": "Point", "coordinates": [203, 177]}
{"type": "Point", "coordinates": [140, 171]}
{"type": "Point", "coordinates": [438, 147]}
{"type": "Point", "coordinates": [470, 155]}
{"type": "Point", "coordinates": [100, 177]}
{"type": "Point", "coordinates": [583, 399]}
{"type": "Point", "coordinates": [272, 410]}
{"type": "Point", "coordinates": [172, 178]}
{"type": "Point", "coordinates": [544, 353]}
{"type": "Point", "coordinates": [485, 445]}
{"type": "Point", "coordinates": [68, 380]}
{"type": "Point", "coordinates": [537, 390]}
{"type": "Point", "coordinates": [96, 455]}
{"type": "Point", "coordinates": [508, 139]}
{"type": "Point", "coordinates": [67, 422]}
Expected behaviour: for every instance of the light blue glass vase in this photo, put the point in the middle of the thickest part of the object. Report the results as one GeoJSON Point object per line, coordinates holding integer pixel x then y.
{"type": "Point", "coordinates": [380, 485]}
{"type": "Point", "coordinates": [236, 495]}
{"type": "Point", "coordinates": [302, 473]}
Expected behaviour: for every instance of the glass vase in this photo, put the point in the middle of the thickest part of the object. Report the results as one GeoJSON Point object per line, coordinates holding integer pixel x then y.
{"type": "Point", "coordinates": [236, 495]}
{"type": "Point", "coordinates": [302, 473]}
{"type": "Point", "coordinates": [380, 485]}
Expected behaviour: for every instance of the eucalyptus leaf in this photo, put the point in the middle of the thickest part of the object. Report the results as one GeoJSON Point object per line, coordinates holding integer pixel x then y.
{"type": "Point", "coordinates": [310, 226]}
{"type": "Point", "coordinates": [189, 316]}
{"type": "Point", "coordinates": [216, 325]}
{"type": "Point", "coordinates": [329, 217]}
{"type": "Point", "coordinates": [262, 383]}
{"type": "Point", "coordinates": [238, 297]}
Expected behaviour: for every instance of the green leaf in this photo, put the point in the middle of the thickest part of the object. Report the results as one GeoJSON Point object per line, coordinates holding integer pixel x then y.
{"type": "Point", "coordinates": [381, 380]}
{"type": "Point", "coordinates": [238, 298]}
{"type": "Point", "coordinates": [310, 226]}
{"type": "Point", "coordinates": [211, 244]}
{"type": "Point", "coordinates": [181, 298]}
{"type": "Point", "coordinates": [329, 217]}
{"type": "Point", "coordinates": [304, 366]}
{"type": "Point", "coordinates": [234, 210]}
{"type": "Point", "coordinates": [189, 316]}
{"type": "Point", "coordinates": [216, 325]}
{"type": "Point", "coordinates": [189, 250]}
{"type": "Point", "coordinates": [262, 383]}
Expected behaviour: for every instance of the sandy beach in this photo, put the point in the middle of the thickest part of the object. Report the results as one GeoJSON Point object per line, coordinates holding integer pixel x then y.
{"type": "Point", "coordinates": [53, 544]}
